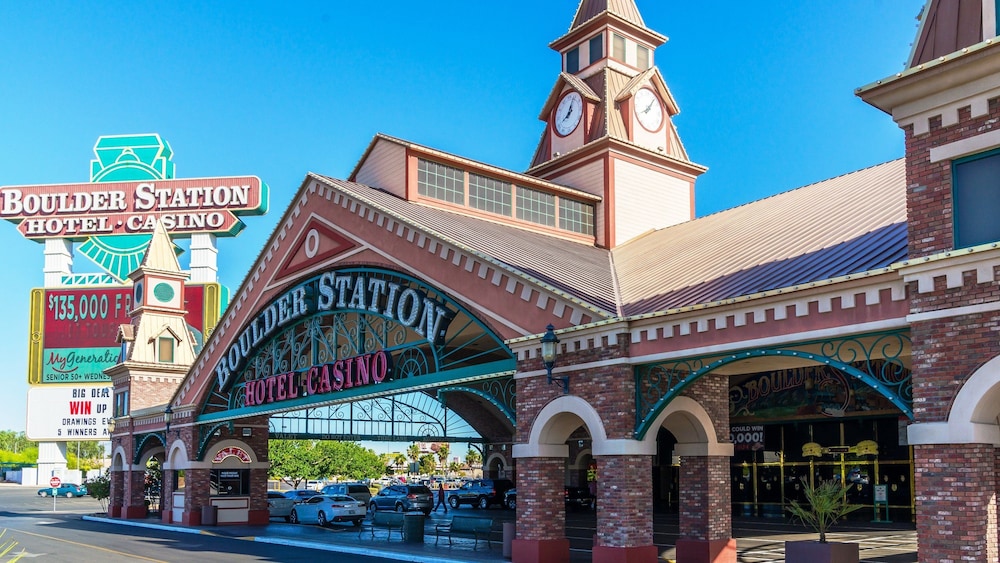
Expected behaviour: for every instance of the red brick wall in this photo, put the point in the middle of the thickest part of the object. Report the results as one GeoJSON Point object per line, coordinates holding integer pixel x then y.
{"type": "Point", "coordinates": [956, 502]}
{"type": "Point", "coordinates": [705, 498]}
{"type": "Point", "coordinates": [624, 502]}
{"type": "Point", "coordinates": [541, 510]}
{"type": "Point", "coordinates": [712, 393]}
{"type": "Point", "coordinates": [929, 202]}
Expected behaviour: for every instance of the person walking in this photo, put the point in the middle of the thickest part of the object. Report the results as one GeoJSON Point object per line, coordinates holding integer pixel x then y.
{"type": "Point", "coordinates": [441, 501]}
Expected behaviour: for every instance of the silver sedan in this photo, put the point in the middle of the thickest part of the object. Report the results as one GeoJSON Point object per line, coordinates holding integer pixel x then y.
{"type": "Point", "coordinates": [324, 509]}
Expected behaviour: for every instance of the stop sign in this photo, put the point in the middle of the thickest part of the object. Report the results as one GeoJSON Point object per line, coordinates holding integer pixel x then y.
{"type": "Point", "coordinates": [55, 482]}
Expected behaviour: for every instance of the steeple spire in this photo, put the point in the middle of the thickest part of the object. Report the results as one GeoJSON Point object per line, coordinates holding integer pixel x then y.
{"type": "Point", "coordinates": [624, 9]}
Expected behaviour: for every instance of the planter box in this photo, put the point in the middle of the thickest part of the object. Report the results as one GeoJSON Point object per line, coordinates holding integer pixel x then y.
{"type": "Point", "coordinates": [815, 552]}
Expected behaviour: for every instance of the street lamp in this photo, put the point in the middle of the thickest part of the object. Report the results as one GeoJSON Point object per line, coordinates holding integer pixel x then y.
{"type": "Point", "coordinates": [168, 415]}
{"type": "Point", "coordinates": [550, 349]}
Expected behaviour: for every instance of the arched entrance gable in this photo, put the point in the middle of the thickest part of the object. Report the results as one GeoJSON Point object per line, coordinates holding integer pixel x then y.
{"type": "Point", "coordinates": [973, 416]}
{"type": "Point", "coordinates": [691, 425]}
{"type": "Point", "coordinates": [879, 354]}
{"type": "Point", "coordinates": [177, 457]}
{"type": "Point", "coordinates": [146, 447]}
{"type": "Point", "coordinates": [554, 425]}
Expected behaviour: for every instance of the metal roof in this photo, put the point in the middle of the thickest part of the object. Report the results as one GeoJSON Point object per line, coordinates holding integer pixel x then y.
{"type": "Point", "coordinates": [850, 224]}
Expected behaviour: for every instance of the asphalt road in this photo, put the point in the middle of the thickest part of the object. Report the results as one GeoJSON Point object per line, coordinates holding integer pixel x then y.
{"type": "Point", "coordinates": [31, 531]}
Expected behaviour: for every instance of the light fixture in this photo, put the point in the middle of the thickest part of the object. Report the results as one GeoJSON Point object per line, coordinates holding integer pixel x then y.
{"type": "Point", "coordinates": [247, 432]}
{"type": "Point", "coordinates": [111, 426]}
{"type": "Point", "coordinates": [550, 349]}
{"type": "Point", "coordinates": [168, 415]}
{"type": "Point", "coordinates": [579, 443]}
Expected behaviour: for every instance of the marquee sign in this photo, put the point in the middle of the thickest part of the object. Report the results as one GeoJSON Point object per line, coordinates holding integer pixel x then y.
{"type": "Point", "coordinates": [78, 211]}
{"type": "Point", "coordinates": [60, 413]}
{"type": "Point", "coordinates": [76, 329]}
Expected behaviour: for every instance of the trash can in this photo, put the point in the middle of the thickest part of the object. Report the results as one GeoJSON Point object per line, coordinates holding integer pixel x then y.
{"type": "Point", "coordinates": [413, 527]}
{"type": "Point", "coordinates": [508, 540]}
{"type": "Point", "coordinates": [209, 515]}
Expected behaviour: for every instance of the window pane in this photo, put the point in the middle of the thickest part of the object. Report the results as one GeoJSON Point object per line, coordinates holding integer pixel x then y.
{"type": "Point", "coordinates": [489, 194]}
{"type": "Point", "coordinates": [440, 182]}
{"type": "Point", "coordinates": [576, 216]}
{"type": "Point", "coordinates": [596, 49]}
{"type": "Point", "coordinates": [573, 61]}
{"type": "Point", "coordinates": [618, 47]}
{"type": "Point", "coordinates": [641, 57]}
{"type": "Point", "coordinates": [537, 207]}
{"type": "Point", "coordinates": [977, 200]}
{"type": "Point", "coordinates": [166, 349]}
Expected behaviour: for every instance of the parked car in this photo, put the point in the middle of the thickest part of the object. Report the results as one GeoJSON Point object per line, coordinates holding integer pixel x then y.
{"type": "Point", "coordinates": [483, 493]}
{"type": "Point", "coordinates": [300, 494]}
{"type": "Point", "coordinates": [577, 498]}
{"type": "Point", "coordinates": [324, 509]}
{"type": "Point", "coordinates": [403, 498]}
{"type": "Point", "coordinates": [68, 490]}
{"type": "Point", "coordinates": [359, 491]}
{"type": "Point", "coordinates": [279, 505]}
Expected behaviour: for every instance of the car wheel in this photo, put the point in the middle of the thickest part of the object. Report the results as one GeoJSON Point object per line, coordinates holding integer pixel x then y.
{"type": "Point", "coordinates": [453, 501]}
{"type": "Point", "coordinates": [43, 493]}
{"type": "Point", "coordinates": [356, 523]}
{"type": "Point", "coordinates": [512, 503]}
{"type": "Point", "coordinates": [293, 517]}
{"type": "Point", "coordinates": [399, 507]}
{"type": "Point", "coordinates": [427, 512]}
{"type": "Point", "coordinates": [321, 519]}
{"type": "Point", "coordinates": [484, 503]}
{"type": "Point", "coordinates": [372, 507]}
{"type": "Point", "coordinates": [69, 495]}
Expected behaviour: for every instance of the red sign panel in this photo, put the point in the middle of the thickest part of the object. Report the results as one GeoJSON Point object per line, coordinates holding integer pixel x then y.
{"type": "Point", "coordinates": [54, 482]}
{"type": "Point", "coordinates": [75, 211]}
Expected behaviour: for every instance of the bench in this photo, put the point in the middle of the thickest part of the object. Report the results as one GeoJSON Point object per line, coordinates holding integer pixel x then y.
{"type": "Point", "coordinates": [474, 527]}
{"type": "Point", "coordinates": [387, 520]}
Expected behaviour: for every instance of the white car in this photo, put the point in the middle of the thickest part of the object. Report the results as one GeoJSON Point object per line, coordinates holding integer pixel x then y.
{"type": "Point", "coordinates": [279, 505]}
{"type": "Point", "coordinates": [324, 509]}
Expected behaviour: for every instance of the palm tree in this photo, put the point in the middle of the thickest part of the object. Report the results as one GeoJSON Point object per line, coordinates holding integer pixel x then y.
{"type": "Point", "coordinates": [413, 452]}
{"type": "Point", "coordinates": [442, 455]}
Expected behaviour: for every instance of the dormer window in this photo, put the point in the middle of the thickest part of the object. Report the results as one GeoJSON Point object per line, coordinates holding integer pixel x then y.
{"type": "Point", "coordinates": [165, 350]}
{"type": "Point", "coordinates": [573, 60]}
{"type": "Point", "coordinates": [596, 48]}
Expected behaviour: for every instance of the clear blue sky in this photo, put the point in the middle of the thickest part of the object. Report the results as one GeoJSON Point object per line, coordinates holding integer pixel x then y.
{"type": "Point", "coordinates": [766, 91]}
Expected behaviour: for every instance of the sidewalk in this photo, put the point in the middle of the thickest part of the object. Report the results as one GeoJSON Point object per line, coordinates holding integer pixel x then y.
{"type": "Point", "coordinates": [342, 539]}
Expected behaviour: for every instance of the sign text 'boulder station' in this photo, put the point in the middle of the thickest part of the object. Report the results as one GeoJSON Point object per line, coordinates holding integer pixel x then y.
{"type": "Point", "coordinates": [190, 205]}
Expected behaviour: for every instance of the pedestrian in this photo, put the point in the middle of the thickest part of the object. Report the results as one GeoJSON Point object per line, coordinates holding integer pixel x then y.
{"type": "Point", "coordinates": [441, 501]}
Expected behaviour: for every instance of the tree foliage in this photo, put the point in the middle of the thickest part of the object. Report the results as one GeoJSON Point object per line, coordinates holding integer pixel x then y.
{"type": "Point", "coordinates": [428, 463]}
{"type": "Point", "coordinates": [442, 454]}
{"type": "Point", "coordinates": [100, 488]}
{"type": "Point", "coordinates": [294, 461]}
{"type": "Point", "coordinates": [827, 504]}
{"type": "Point", "coordinates": [473, 458]}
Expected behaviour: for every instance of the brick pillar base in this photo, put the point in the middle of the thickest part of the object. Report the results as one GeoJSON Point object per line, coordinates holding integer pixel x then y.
{"type": "Point", "coordinates": [706, 551]}
{"type": "Point", "coordinates": [640, 554]}
{"type": "Point", "coordinates": [134, 512]}
{"type": "Point", "coordinates": [540, 551]}
{"type": "Point", "coordinates": [115, 511]}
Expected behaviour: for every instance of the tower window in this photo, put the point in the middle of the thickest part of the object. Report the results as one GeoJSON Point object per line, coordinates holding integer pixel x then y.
{"type": "Point", "coordinates": [165, 349]}
{"type": "Point", "coordinates": [596, 48]}
{"type": "Point", "coordinates": [641, 57]}
{"type": "Point", "coordinates": [440, 182]}
{"type": "Point", "coordinates": [573, 60]}
{"type": "Point", "coordinates": [489, 194]}
{"type": "Point", "coordinates": [618, 47]}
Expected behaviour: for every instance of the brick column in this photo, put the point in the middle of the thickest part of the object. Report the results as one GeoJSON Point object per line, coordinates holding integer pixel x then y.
{"type": "Point", "coordinates": [116, 502]}
{"type": "Point", "coordinates": [135, 498]}
{"type": "Point", "coordinates": [541, 511]}
{"type": "Point", "coordinates": [956, 502]}
{"type": "Point", "coordinates": [706, 519]}
{"type": "Point", "coordinates": [624, 510]}
{"type": "Point", "coordinates": [167, 495]}
{"type": "Point", "coordinates": [196, 482]}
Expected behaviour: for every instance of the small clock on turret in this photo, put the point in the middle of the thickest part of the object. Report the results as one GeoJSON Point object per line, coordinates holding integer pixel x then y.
{"type": "Point", "coordinates": [648, 109]}
{"type": "Point", "coordinates": [568, 114]}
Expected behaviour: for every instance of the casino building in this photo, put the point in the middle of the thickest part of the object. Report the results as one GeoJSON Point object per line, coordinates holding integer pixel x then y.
{"type": "Point", "coordinates": [590, 328]}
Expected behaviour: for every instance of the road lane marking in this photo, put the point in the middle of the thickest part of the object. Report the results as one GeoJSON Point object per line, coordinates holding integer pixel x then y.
{"type": "Point", "coordinates": [97, 547]}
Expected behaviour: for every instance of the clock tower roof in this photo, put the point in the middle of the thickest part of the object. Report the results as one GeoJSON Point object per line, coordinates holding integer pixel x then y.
{"type": "Point", "coordinates": [594, 14]}
{"type": "Point", "coordinates": [161, 254]}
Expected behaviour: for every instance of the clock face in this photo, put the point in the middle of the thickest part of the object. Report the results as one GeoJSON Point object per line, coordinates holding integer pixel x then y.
{"type": "Point", "coordinates": [137, 294]}
{"type": "Point", "coordinates": [648, 109]}
{"type": "Point", "coordinates": [568, 114]}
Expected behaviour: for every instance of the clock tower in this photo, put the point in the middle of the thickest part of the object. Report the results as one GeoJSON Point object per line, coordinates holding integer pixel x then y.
{"type": "Point", "coordinates": [609, 125]}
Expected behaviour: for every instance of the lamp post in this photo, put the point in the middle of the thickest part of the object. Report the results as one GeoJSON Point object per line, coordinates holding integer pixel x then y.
{"type": "Point", "coordinates": [550, 349]}
{"type": "Point", "coordinates": [168, 415]}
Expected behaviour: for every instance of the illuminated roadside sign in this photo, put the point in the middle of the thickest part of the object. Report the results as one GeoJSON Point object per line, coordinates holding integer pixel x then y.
{"type": "Point", "coordinates": [185, 207]}
{"type": "Point", "coordinates": [76, 329]}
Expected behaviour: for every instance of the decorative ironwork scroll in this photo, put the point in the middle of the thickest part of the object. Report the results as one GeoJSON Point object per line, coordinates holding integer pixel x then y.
{"type": "Point", "coordinates": [875, 359]}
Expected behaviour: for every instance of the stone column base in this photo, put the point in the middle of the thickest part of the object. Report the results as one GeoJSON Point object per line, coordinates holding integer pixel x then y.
{"type": "Point", "coordinates": [135, 512]}
{"type": "Point", "coordinates": [115, 511]}
{"type": "Point", "coordinates": [540, 551]}
{"type": "Point", "coordinates": [706, 551]}
{"type": "Point", "coordinates": [639, 554]}
{"type": "Point", "coordinates": [258, 517]}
